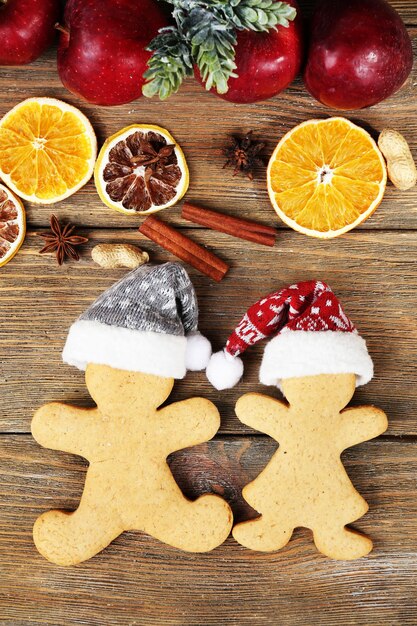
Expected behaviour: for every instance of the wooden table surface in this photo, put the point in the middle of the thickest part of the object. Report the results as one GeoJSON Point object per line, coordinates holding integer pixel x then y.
{"type": "Point", "coordinates": [138, 580]}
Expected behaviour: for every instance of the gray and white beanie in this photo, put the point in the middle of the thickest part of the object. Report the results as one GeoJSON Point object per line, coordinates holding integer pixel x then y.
{"type": "Point", "coordinates": [146, 322]}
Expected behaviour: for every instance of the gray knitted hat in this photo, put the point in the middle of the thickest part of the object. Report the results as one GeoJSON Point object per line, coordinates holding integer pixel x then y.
{"type": "Point", "coordinates": [146, 322]}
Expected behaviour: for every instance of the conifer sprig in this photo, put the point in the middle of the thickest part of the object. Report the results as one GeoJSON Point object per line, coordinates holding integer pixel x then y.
{"type": "Point", "coordinates": [205, 35]}
{"type": "Point", "coordinates": [169, 65]}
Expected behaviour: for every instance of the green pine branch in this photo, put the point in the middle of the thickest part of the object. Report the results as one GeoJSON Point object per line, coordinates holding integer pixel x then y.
{"type": "Point", "coordinates": [212, 42]}
{"type": "Point", "coordinates": [261, 15]}
{"type": "Point", "coordinates": [168, 66]}
{"type": "Point", "coordinates": [205, 35]}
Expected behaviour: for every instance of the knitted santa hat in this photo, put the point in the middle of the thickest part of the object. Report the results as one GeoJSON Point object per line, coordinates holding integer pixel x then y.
{"type": "Point", "coordinates": [312, 336]}
{"type": "Point", "coordinates": [146, 322]}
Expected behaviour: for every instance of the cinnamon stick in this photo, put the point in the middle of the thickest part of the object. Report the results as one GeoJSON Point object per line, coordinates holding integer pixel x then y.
{"type": "Point", "coordinates": [235, 226]}
{"type": "Point", "coordinates": [244, 223]}
{"type": "Point", "coordinates": [184, 248]}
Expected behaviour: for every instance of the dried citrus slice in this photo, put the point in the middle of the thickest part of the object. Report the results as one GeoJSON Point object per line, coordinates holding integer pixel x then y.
{"type": "Point", "coordinates": [12, 225]}
{"type": "Point", "coordinates": [325, 177]}
{"type": "Point", "coordinates": [141, 169]}
{"type": "Point", "coordinates": [47, 150]}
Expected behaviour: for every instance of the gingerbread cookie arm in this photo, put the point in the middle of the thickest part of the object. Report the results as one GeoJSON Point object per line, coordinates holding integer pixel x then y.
{"type": "Point", "coordinates": [188, 423]}
{"type": "Point", "coordinates": [360, 424]}
{"type": "Point", "coordinates": [63, 427]}
{"type": "Point", "coordinates": [261, 413]}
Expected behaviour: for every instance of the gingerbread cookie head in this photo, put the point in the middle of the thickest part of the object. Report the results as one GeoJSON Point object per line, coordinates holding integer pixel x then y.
{"type": "Point", "coordinates": [328, 393]}
{"type": "Point", "coordinates": [146, 322]}
{"type": "Point", "coordinates": [310, 335]}
{"type": "Point", "coordinates": [141, 392]}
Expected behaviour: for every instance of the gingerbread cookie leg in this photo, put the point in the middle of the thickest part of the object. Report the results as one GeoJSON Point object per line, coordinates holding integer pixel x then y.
{"type": "Point", "coordinates": [70, 538]}
{"type": "Point", "coordinates": [263, 534]}
{"type": "Point", "coordinates": [181, 425]}
{"type": "Point", "coordinates": [342, 543]}
{"type": "Point", "coordinates": [193, 520]}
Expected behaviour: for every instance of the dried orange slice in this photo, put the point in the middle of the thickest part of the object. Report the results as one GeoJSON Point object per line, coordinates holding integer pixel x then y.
{"type": "Point", "coordinates": [47, 150]}
{"type": "Point", "coordinates": [141, 169]}
{"type": "Point", "coordinates": [325, 177]}
{"type": "Point", "coordinates": [12, 225]}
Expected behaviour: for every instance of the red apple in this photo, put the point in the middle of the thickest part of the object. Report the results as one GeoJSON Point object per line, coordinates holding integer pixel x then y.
{"type": "Point", "coordinates": [266, 62]}
{"type": "Point", "coordinates": [101, 55]}
{"type": "Point", "coordinates": [26, 29]}
{"type": "Point", "coordinates": [360, 53]}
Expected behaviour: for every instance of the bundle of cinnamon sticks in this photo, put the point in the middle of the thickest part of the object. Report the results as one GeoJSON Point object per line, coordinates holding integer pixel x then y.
{"type": "Point", "coordinates": [194, 254]}
{"type": "Point", "coordinates": [184, 248]}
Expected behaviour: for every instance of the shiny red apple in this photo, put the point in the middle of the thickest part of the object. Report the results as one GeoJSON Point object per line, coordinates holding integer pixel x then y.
{"type": "Point", "coordinates": [102, 55]}
{"type": "Point", "coordinates": [360, 53]}
{"type": "Point", "coordinates": [26, 29]}
{"type": "Point", "coordinates": [266, 62]}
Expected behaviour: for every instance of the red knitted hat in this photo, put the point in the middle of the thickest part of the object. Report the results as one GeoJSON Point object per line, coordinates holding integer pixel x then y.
{"type": "Point", "coordinates": [313, 336]}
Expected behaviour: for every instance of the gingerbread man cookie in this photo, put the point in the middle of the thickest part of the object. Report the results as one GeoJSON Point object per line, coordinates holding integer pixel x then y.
{"type": "Point", "coordinates": [317, 358]}
{"type": "Point", "coordinates": [133, 341]}
{"type": "Point", "coordinates": [129, 485]}
{"type": "Point", "coordinates": [305, 483]}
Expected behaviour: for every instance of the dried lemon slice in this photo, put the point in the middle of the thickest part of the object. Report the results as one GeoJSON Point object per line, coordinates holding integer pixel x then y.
{"type": "Point", "coordinates": [47, 150]}
{"type": "Point", "coordinates": [141, 169]}
{"type": "Point", "coordinates": [12, 225]}
{"type": "Point", "coordinates": [325, 177]}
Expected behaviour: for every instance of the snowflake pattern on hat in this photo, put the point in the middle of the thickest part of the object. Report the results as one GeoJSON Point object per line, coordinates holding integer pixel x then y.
{"type": "Point", "coordinates": [147, 322]}
{"type": "Point", "coordinates": [310, 335]}
{"type": "Point", "coordinates": [305, 306]}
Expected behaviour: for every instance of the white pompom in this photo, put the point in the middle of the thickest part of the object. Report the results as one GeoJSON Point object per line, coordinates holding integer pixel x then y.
{"type": "Point", "coordinates": [198, 352]}
{"type": "Point", "coordinates": [224, 370]}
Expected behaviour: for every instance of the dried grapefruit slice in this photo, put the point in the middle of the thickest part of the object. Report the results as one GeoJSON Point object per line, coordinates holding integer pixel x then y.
{"type": "Point", "coordinates": [12, 225]}
{"type": "Point", "coordinates": [141, 169]}
{"type": "Point", "coordinates": [325, 177]}
{"type": "Point", "coordinates": [47, 150]}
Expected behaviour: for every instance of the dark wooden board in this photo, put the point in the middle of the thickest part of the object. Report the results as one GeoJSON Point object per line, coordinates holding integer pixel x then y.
{"type": "Point", "coordinates": [372, 273]}
{"type": "Point", "coordinates": [140, 581]}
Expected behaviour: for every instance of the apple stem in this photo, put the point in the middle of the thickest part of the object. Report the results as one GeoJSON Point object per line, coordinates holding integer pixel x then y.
{"type": "Point", "coordinates": [58, 26]}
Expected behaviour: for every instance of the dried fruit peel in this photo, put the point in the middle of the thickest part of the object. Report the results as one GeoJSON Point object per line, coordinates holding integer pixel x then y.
{"type": "Point", "coordinates": [325, 177]}
{"type": "Point", "coordinates": [12, 225]}
{"type": "Point", "coordinates": [121, 185]}
{"type": "Point", "coordinates": [47, 150]}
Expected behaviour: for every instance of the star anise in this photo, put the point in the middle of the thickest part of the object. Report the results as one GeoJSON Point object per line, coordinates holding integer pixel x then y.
{"type": "Point", "coordinates": [61, 240]}
{"type": "Point", "coordinates": [243, 153]}
{"type": "Point", "coordinates": [152, 158]}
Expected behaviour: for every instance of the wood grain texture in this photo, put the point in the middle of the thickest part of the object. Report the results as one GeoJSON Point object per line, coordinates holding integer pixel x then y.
{"type": "Point", "coordinates": [406, 9]}
{"type": "Point", "coordinates": [140, 581]}
{"type": "Point", "coordinates": [372, 273]}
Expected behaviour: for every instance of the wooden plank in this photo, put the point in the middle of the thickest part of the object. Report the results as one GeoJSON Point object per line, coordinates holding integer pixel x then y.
{"type": "Point", "coordinates": [201, 123]}
{"type": "Point", "coordinates": [406, 8]}
{"type": "Point", "coordinates": [140, 581]}
{"type": "Point", "coordinates": [372, 273]}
